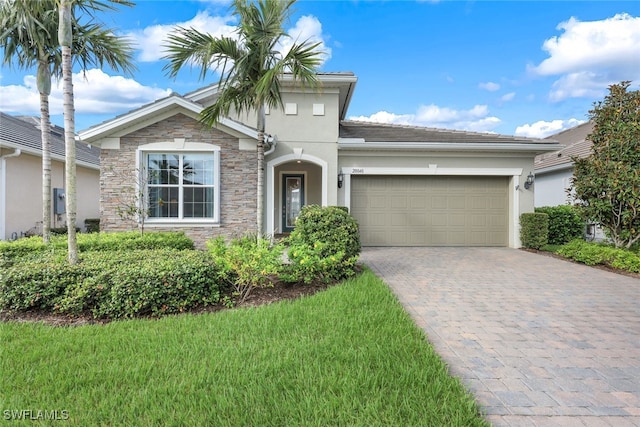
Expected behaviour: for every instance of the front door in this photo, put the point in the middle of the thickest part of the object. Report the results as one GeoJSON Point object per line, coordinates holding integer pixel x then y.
{"type": "Point", "coordinates": [292, 199]}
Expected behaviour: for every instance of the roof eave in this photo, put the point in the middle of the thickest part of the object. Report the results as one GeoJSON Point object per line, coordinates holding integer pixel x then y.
{"type": "Point", "coordinates": [554, 168]}
{"type": "Point", "coordinates": [450, 146]}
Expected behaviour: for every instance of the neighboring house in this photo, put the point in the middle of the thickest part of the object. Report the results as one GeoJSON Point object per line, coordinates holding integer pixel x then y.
{"type": "Point", "coordinates": [406, 186]}
{"type": "Point", "coordinates": [21, 177]}
{"type": "Point", "coordinates": [554, 170]}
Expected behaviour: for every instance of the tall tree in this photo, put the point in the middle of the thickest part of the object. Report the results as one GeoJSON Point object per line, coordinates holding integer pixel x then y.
{"type": "Point", "coordinates": [65, 36]}
{"type": "Point", "coordinates": [29, 38]}
{"type": "Point", "coordinates": [250, 67]}
{"type": "Point", "coordinates": [607, 182]}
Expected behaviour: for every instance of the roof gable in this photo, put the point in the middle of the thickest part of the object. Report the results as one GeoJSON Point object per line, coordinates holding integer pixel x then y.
{"type": "Point", "coordinates": [154, 113]}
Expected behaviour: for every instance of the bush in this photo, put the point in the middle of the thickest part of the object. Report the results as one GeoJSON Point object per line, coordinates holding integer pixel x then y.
{"type": "Point", "coordinates": [58, 231]}
{"type": "Point", "coordinates": [565, 223]}
{"type": "Point", "coordinates": [246, 263]}
{"type": "Point", "coordinates": [534, 230]}
{"type": "Point", "coordinates": [92, 225]}
{"type": "Point", "coordinates": [601, 254]}
{"type": "Point", "coordinates": [324, 245]}
{"type": "Point", "coordinates": [112, 284]}
{"type": "Point", "coordinates": [97, 242]}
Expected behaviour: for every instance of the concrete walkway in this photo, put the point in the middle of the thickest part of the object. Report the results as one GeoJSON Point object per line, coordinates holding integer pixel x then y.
{"type": "Point", "coordinates": [539, 341]}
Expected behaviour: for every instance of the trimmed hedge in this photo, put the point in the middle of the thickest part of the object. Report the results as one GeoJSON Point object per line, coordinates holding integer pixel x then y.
{"type": "Point", "coordinates": [325, 245]}
{"type": "Point", "coordinates": [119, 241]}
{"type": "Point", "coordinates": [112, 284]}
{"type": "Point", "coordinates": [534, 230]}
{"type": "Point", "coordinates": [565, 224]}
{"type": "Point", "coordinates": [601, 254]}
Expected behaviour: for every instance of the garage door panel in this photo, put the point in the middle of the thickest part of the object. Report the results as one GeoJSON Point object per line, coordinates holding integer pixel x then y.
{"type": "Point", "coordinates": [431, 211]}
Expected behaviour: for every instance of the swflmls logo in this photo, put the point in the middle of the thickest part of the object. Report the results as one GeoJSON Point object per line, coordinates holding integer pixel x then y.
{"type": "Point", "coordinates": [35, 415]}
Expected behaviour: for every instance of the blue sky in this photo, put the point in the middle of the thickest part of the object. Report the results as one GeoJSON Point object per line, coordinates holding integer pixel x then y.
{"type": "Point", "coordinates": [509, 67]}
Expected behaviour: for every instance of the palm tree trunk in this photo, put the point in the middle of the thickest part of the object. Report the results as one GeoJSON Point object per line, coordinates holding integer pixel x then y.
{"type": "Point", "coordinates": [65, 39]}
{"type": "Point", "coordinates": [260, 189]}
{"type": "Point", "coordinates": [44, 87]}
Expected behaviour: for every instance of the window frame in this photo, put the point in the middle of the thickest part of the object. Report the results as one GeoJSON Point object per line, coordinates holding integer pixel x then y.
{"type": "Point", "coordinates": [181, 148]}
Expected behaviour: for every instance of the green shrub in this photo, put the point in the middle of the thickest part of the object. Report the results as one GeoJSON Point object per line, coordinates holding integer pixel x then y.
{"type": "Point", "coordinates": [246, 263]}
{"type": "Point", "coordinates": [112, 284]}
{"type": "Point", "coordinates": [92, 225]}
{"type": "Point", "coordinates": [24, 247]}
{"type": "Point", "coordinates": [133, 240]}
{"type": "Point", "coordinates": [120, 241]}
{"type": "Point", "coordinates": [565, 224]}
{"type": "Point", "coordinates": [57, 231]}
{"type": "Point", "coordinates": [324, 245]}
{"type": "Point", "coordinates": [534, 230]}
{"type": "Point", "coordinates": [601, 254]}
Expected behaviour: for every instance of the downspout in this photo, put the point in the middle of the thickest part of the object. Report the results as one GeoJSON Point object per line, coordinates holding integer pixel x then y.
{"type": "Point", "coordinates": [3, 193]}
{"type": "Point", "coordinates": [15, 153]}
{"type": "Point", "coordinates": [272, 141]}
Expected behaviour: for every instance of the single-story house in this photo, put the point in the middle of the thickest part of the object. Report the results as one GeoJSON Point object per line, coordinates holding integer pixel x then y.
{"type": "Point", "coordinates": [406, 186]}
{"type": "Point", "coordinates": [554, 170]}
{"type": "Point", "coordinates": [21, 178]}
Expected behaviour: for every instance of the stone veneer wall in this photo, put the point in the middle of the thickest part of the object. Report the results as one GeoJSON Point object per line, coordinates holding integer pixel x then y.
{"type": "Point", "coordinates": [238, 180]}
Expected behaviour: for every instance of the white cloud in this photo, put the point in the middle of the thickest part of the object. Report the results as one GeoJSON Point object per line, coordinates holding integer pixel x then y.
{"type": "Point", "coordinates": [490, 86]}
{"type": "Point", "coordinates": [95, 92]}
{"type": "Point", "coordinates": [307, 28]}
{"type": "Point", "coordinates": [476, 119]}
{"type": "Point", "coordinates": [507, 97]}
{"type": "Point", "coordinates": [542, 129]}
{"type": "Point", "coordinates": [151, 40]}
{"type": "Point", "coordinates": [583, 84]}
{"type": "Point", "coordinates": [589, 56]}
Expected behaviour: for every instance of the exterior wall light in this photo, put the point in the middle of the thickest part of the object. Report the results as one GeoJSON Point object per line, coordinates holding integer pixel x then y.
{"type": "Point", "coordinates": [340, 179]}
{"type": "Point", "coordinates": [529, 182]}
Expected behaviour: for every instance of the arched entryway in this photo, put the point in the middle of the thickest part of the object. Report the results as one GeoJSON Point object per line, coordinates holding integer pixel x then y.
{"type": "Point", "coordinates": [293, 182]}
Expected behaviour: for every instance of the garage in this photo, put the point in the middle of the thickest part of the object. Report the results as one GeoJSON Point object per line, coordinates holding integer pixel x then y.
{"type": "Point", "coordinates": [431, 210]}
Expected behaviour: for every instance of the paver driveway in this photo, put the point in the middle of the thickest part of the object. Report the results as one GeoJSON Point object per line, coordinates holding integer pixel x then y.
{"type": "Point", "coordinates": [539, 341]}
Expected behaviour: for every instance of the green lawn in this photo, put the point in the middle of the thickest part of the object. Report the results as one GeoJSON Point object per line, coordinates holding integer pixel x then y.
{"type": "Point", "coordinates": [346, 356]}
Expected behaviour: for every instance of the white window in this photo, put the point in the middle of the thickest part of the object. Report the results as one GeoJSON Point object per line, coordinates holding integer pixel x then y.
{"type": "Point", "coordinates": [181, 186]}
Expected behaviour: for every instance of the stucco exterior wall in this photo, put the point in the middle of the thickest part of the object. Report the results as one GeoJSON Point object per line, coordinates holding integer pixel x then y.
{"type": "Point", "coordinates": [238, 179]}
{"type": "Point", "coordinates": [23, 194]}
{"type": "Point", "coordinates": [304, 125]}
{"type": "Point", "coordinates": [551, 187]}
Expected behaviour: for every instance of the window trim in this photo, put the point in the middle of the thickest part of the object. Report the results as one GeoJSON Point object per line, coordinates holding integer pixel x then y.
{"type": "Point", "coordinates": [179, 146]}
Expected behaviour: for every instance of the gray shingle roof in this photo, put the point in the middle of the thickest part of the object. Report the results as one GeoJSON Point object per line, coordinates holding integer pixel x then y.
{"type": "Point", "coordinates": [575, 145]}
{"type": "Point", "coordinates": [24, 133]}
{"type": "Point", "coordinates": [377, 132]}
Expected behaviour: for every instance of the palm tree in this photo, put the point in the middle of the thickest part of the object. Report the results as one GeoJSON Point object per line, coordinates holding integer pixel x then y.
{"type": "Point", "coordinates": [250, 66]}
{"type": "Point", "coordinates": [29, 38]}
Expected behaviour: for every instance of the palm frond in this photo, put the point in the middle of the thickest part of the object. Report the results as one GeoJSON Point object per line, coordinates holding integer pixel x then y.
{"type": "Point", "coordinates": [188, 46]}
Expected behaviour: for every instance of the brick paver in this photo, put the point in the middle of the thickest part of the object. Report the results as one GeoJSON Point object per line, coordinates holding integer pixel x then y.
{"type": "Point", "coordinates": [538, 340]}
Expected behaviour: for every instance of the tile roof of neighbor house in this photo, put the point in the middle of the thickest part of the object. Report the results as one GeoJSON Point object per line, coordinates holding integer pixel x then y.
{"type": "Point", "coordinates": [24, 132]}
{"type": "Point", "coordinates": [575, 145]}
{"type": "Point", "coordinates": [378, 132]}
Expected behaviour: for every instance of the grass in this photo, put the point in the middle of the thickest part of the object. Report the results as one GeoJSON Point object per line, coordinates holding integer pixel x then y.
{"type": "Point", "coordinates": [346, 356]}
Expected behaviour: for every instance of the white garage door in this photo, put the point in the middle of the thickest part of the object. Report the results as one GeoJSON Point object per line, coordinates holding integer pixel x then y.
{"type": "Point", "coordinates": [431, 210]}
